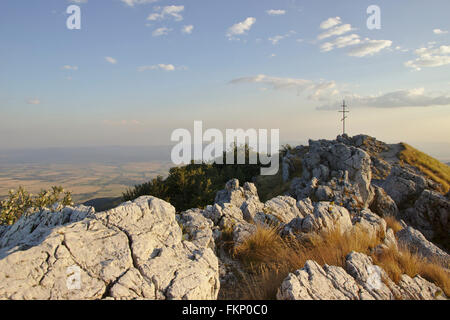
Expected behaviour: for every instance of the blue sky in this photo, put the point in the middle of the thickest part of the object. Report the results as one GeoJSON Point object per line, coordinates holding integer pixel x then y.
{"type": "Point", "coordinates": [137, 70]}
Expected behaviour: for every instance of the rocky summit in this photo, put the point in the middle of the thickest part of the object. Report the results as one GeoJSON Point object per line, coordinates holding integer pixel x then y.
{"type": "Point", "coordinates": [144, 249]}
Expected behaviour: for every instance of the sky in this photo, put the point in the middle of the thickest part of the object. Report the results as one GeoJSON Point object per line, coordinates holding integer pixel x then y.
{"type": "Point", "coordinates": [138, 69]}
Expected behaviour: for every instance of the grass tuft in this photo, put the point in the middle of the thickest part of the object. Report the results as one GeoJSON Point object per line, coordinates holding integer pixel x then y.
{"type": "Point", "coordinates": [432, 168]}
{"type": "Point", "coordinates": [393, 223]}
{"type": "Point", "coordinates": [268, 258]}
{"type": "Point", "coordinates": [402, 261]}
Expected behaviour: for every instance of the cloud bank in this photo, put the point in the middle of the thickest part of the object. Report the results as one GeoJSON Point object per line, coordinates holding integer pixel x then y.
{"type": "Point", "coordinates": [396, 99]}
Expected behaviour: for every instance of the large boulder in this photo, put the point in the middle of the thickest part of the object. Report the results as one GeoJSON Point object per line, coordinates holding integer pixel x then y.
{"type": "Point", "coordinates": [370, 223]}
{"type": "Point", "coordinates": [282, 209]}
{"type": "Point", "coordinates": [431, 215]}
{"type": "Point", "coordinates": [357, 163]}
{"type": "Point", "coordinates": [133, 251]}
{"type": "Point", "coordinates": [404, 186]}
{"type": "Point", "coordinates": [198, 228]}
{"type": "Point", "coordinates": [319, 217]}
{"type": "Point", "coordinates": [382, 204]}
{"type": "Point", "coordinates": [253, 210]}
{"type": "Point", "coordinates": [370, 276]}
{"type": "Point", "coordinates": [327, 217]}
{"type": "Point", "coordinates": [314, 282]}
{"type": "Point", "coordinates": [234, 194]}
{"type": "Point", "coordinates": [415, 241]}
{"type": "Point", "coordinates": [327, 159]}
{"type": "Point", "coordinates": [29, 230]}
{"type": "Point", "coordinates": [360, 279]}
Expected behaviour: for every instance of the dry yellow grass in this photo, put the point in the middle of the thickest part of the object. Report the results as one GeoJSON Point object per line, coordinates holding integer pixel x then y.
{"type": "Point", "coordinates": [432, 168]}
{"type": "Point", "coordinates": [402, 261]}
{"type": "Point", "coordinates": [268, 258]}
{"type": "Point", "coordinates": [393, 223]}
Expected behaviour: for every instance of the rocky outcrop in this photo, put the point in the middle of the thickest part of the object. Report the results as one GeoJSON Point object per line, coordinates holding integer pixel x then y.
{"type": "Point", "coordinates": [281, 209]}
{"type": "Point", "coordinates": [199, 230]}
{"type": "Point", "coordinates": [404, 186]}
{"type": "Point", "coordinates": [242, 231]}
{"type": "Point", "coordinates": [319, 217]}
{"type": "Point", "coordinates": [361, 172]}
{"type": "Point", "coordinates": [133, 251]}
{"type": "Point", "coordinates": [30, 230]}
{"type": "Point", "coordinates": [326, 158]}
{"type": "Point", "coordinates": [235, 195]}
{"type": "Point", "coordinates": [370, 223]}
{"type": "Point", "coordinates": [359, 280]}
{"type": "Point", "coordinates": [144, 250]}
{"type": "Point", "coordinates": [431, 215]}
{"type": "Point", "coordinates": [382, 204]}
{"type": "Point", "coordinates": [416, 242]}
{"type": "Point", "coordinates": [313, 282]}
{"type": "Point", "coordinates": [327, 217]}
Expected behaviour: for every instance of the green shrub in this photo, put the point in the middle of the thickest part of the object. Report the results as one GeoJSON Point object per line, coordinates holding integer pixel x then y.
{"type": "Point", "coordinates": [21, 202]}
{"type": "Point", "coordinates": [196, 185]}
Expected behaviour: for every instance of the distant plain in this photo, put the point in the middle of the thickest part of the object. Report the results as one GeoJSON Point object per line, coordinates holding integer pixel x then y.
{"type": "Point", "coordinates": [89, 173]}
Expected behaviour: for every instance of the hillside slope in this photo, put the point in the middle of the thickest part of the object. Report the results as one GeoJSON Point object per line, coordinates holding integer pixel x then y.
{"type": "Point", "coordinates": [414, 181]}
{"type": "Point", "coordinates": [430, 167]}
{"type": "Point", "coordinates": [353, 223]}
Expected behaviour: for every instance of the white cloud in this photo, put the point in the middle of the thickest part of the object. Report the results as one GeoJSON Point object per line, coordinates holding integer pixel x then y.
{"type": "Point", "coordinates": [161, 32]}
{"type": "Point", "coordinates": [336, 31]}
{"type": "Point", "coordinates": [165, 67]}
{"type": "Point", "coordinates": [330, 22]}
{"type": "Point", "coordinates": [68, 67]}
{"type": "Point", "coordinates": [34, 101]}
{"type": "Point", "coordinates": [241, 27]}
{"type": "Point", "coordinates": [396, 99]}
{"type": "Point", "coordinates": [277, 38]}
{"type": "Point", "coordinates": [369, 47]}
{"type": "Point", "coordinates": [439, 31]}
{"type": "Point", "coordinates": [111, 60]}
{"type": "Point", "coordinates": [401, 49]}
{"type": "Point", "coordinates": [274, 12]}
{"type": "Point", "coordinates": [430, 57]}
{"type": "Point", "coordinates": [187, 29]}
{"type": "Point", "coordinates": [341, 42]}
{"type": "Point", "coordinates": [361, 47]}
{"type": "Point", "coordinates": [316, 90]}
{"type": "Point", "coordinates": [132, 3]}
{"type": "Point", "coordinates": [167, 11]}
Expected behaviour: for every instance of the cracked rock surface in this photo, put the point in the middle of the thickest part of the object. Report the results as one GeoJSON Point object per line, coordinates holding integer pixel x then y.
{"type": "Point", "coordinates": [134, 251]}
{"type": "Point", "coordinates": [359, 280]}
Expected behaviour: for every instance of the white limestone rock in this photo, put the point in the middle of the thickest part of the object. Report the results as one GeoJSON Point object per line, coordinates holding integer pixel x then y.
{"type": "Point", "coordinates": [415, 241]}
{"type": "Point", "coordinates": [327, 217]}
{"type": "Point", "coordinates": [283, 208]}
{"type": "Point", "coordinates": [132, 251]}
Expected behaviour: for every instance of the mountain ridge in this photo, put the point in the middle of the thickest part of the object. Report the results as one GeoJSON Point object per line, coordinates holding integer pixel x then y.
{"type": "Point", "coordinates": [350, 205]}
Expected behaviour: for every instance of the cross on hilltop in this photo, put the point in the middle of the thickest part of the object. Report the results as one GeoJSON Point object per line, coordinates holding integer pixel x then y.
{"type": "Point", "coordinates": [344, 112]}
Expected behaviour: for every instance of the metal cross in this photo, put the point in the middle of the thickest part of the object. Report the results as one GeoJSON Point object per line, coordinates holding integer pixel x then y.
{"type": "Point", "coordinates": [344, 115]}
